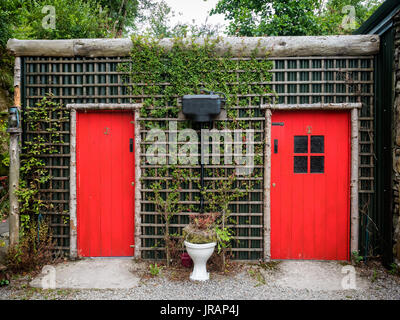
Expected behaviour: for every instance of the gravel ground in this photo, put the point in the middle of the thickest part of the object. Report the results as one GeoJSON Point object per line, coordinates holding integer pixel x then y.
{"type": "Point", "coordinates": [253, 282]}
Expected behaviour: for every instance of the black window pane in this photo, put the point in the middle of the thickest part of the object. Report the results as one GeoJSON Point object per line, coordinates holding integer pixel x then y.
{"type": "Point", "coordinates": [316, 164]}
{"type": "Point", "coordinates": [300, 144]}
{"type": "Point", "coordinates": [317, 144]}
{"type": "Point", "coordinates": [300, 164]}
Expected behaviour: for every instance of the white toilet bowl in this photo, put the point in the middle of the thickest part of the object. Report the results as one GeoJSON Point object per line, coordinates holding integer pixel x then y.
{"type": "Point", "coordinates": [200, 254]}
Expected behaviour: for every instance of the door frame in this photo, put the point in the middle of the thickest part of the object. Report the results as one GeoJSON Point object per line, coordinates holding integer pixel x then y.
{"type": "Point", "coordinates": [354, 164]}
{"type": "Point", "coordinates": [84, 107]}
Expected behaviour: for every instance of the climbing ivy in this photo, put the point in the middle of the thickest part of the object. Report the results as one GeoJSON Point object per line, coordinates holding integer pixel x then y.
{"type": "Point", "coordinates": [167, 204]}
{"type": "Point", "coordinates": [163, 75]}
{"type": "Point", "coordinates": [158, 77]}
{"type": "Point", "coordinates": [44, 121]}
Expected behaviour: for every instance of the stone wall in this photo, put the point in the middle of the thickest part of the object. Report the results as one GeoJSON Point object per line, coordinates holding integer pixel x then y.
{"type": "Point", "coordinates": [396, 149]}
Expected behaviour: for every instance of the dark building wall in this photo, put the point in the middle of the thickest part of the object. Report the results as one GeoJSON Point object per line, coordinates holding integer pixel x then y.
{"type": "Point", "coordinates": [396, 147]}
{"type": "Point", "coordinates": [385, 22]}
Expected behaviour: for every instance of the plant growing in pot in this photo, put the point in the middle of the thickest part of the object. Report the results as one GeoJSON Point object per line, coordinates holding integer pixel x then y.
{"type": "Point", "coordinates": [227, 189]}
{"type": "Point", "coordinates": [200, 239]}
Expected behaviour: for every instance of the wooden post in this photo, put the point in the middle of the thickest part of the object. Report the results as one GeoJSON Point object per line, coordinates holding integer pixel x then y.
{"type": "Point", "coordinates": [73, 233]}
{"type": "Point", "coordinates": [14, 160]}
{"type": "Point", "coordinates": [354, 224]}
{"type": "Point", "coordinates": [267, 185]}
{"type": "Point", "coordinates": [138, 185]}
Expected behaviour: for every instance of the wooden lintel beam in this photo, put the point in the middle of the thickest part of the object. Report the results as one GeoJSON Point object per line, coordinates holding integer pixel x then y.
{"type": "Point", "coordinates": [293, 46]}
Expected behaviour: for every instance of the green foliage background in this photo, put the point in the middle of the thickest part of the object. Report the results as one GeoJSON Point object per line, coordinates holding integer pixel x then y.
{"type": "Point", "coordinates": [187, 68]}
{"type": "Point", "coordinates": [74, 19]}
{"type": "Point", "coordinates": [291, 17]}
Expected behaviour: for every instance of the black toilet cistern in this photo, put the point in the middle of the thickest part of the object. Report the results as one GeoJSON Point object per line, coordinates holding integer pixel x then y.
{"type": "Point", "coordinates": [203, 108]}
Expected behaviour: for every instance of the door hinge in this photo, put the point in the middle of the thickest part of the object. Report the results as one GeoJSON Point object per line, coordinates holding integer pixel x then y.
{"type": "Point", "coordinates": [132, 246]}
{"type": "Point", "coordinates": [130, 145]}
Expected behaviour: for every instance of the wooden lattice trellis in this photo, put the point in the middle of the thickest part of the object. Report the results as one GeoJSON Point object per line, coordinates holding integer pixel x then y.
{"type": "Point", "coordinates": [295, 80]}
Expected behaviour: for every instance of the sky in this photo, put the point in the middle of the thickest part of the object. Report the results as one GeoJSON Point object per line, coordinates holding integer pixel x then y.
{"type": "Point", "coordinates": [187, 10]}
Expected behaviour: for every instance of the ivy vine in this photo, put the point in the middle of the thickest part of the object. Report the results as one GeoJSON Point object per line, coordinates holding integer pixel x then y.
{"type": "Point", "coordinates": [161, 76]}
{"type": "Point", "coordinates": [44, 122]}
{"type": "Point", "coordinates": [158, 77]}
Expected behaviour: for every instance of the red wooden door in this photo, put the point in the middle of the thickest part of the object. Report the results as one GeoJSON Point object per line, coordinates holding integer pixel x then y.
{"type": "Point", "coordinates": [310, 185]}
{"type": "Point", "coordinates": [105, 165]}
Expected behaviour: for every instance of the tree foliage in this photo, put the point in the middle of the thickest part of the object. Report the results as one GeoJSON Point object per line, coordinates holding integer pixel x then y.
{"type": "Point", "coordinates": [159, 24]}
{"type": "Point", "coordinates": [292, 17]}
{"type": "Point", "coordinates": [73, 19]}
{"type": "Point", "coordinates": [23, 19]}
{"type": "Point", "coordinates": [8, 18]}
{"type": "Point", "coordinates": [335, 10]}
{"type": "Point", "coordinates": [125, 15]}
{"type": "Point", "coordinates": [274, 17]}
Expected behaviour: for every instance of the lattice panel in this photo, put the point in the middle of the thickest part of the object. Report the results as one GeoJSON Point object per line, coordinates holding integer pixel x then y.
{"type": "Point", "coordinates": [295, 80]}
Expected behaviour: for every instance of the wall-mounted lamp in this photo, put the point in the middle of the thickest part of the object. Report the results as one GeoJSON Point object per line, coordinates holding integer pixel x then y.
{"type": "Point", "coordinates": [14, 124]}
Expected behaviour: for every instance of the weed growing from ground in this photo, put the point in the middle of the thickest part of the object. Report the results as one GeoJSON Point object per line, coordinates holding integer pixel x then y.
{"type": "Point", "coordinates": [256, 274]}
{"type": "Point", "coordinates": [356, 258]}
{"type": "Point", "coordinates": [155, 269]}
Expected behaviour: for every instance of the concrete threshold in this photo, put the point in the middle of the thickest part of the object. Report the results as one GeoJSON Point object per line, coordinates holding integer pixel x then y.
{"type": "Point", "coordinates": [89, 273]}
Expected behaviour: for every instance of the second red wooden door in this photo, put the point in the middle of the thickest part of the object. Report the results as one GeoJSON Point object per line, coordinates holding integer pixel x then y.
{"type": "Point", "coordinates": [310, 185]}
{"type": "Point", "coordinates": [105, 189]}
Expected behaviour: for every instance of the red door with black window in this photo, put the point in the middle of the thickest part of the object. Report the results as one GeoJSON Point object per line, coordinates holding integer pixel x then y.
{"type": "Point", "coordinates": [310, 185]}
{"type": "Point", "coordinates": [105, 177]}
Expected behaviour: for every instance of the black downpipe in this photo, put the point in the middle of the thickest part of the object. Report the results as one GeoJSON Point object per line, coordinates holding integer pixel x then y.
{"type": "Point", "coordinates": [202, 126]}
{"type": "Point", "coordinates": [201, 169]}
